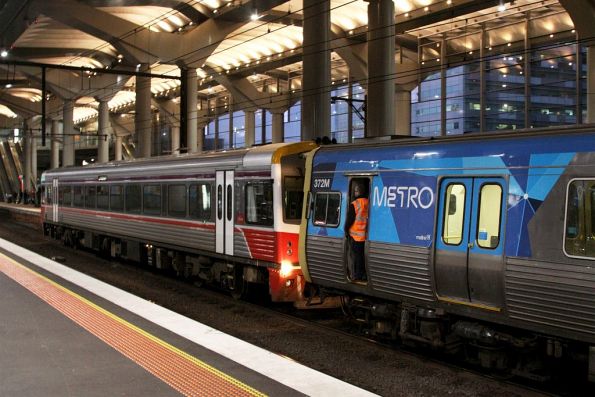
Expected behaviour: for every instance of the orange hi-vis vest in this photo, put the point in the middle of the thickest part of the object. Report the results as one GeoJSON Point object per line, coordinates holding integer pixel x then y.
{"type": "Point", "coordinates": [358, 230]}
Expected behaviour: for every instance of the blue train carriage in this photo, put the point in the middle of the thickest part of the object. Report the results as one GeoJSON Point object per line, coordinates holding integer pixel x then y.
{"type": "Point", "coordinates": [481, 242]}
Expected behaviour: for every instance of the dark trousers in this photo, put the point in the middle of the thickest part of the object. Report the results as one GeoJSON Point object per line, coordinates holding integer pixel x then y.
{"type": "Point", "coordinates": [358, 259]}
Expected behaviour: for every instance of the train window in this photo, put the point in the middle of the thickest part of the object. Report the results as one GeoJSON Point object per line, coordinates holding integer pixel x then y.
{"type": "Point", "coordinates": [229, 202]}
{"type": "Point", "coordinates": [103, 197]}
{"type": "Point", "coordinates": [79, 197]}
{"type": "Point", "coordinates": [90, 197]}
{"type": "Point", "coordinates": [176, 201]}
{"type": "Point", "coordinates": [490, 208]}
{"type": "Point", "coordinates": [65, 195]}
{"type": "Point", "coordinates": [152, 199]}
{"type": "Point", "coordinates": [199, 201]}
{"type": "Point", "coordinates": [48, 196]}
{"type": "Point", "coordinates": [293, 197]}
{"type": "Point", "coordinates": [116, 198]}
{"type": "Point", "coordinates": [259, 203]}
{"type": "Point", "coordinates": [580, 219]}
{"type": "Point", "coordinates": [454, 214]}
{"type": "Point", "coordinates": [133, 199]}
{"type": "Point", "coordinates": [327, 209]}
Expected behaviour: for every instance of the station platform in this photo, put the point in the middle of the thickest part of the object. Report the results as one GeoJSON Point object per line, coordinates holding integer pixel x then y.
{"type": "Point", "coordinates": [64, 333]}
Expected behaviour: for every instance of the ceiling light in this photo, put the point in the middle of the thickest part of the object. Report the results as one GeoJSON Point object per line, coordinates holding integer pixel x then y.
{"type": "Point", "coordinates": [406, 15]}
{"type": "Point", "coordinates": [254, 16]}
{"type": "Point", "coordinates": [502, 7]}
{"type": "Point", "coordinates": [449, 2]}
{"type": "Point", "coordinates": [8, 85]}
{"type": "Point", "coordinates": [4, 53]}
{"type": "Point", "coordinates": [426, 9]}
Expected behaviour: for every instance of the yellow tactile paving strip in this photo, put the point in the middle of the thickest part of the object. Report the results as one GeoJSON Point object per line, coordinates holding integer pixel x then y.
{"type": "Point", "coordinates": [186, 374]}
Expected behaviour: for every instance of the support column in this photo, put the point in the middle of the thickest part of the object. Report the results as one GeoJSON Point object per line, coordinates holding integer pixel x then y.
{"type": "Point", "coordinates": [175, 139]}
{"type": "Point", "coordinates": [200, 128]}
{"type": "Point", "coordinates": [591, 84]}
{"type": "Point", "coordinates": [118, 148]}
{"type": "Point", "coordinates": [278, 129]}
{"type": "Point", "coordinates": [403, 113]}
{"type": "Point", "coordinates": [316, 79]}
{"type": "Point", "coordinates": [103, 133]}
{"type": "Point", "coordinates": [34, 160]}
{"type": "Point", "coordinates": [249, 128]}
{"type": "Point", "coordinates": [142, 119]}
{"type": "Point", "coordinates": [55, 145]}
{"type": "Point", "coordinates": [380, 113]}
{"type": "Point", "coordinates": [68, 134]}
{"type": "Point", "coordinates": [191, 113]}
{"type": "Point", "coordinates": [27, 165]}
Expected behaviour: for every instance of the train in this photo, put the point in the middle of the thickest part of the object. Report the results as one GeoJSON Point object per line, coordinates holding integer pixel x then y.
{"type": "Point", "coordinates": [480, 245]}
{"type": "Point", "coordinates": [230, 218]}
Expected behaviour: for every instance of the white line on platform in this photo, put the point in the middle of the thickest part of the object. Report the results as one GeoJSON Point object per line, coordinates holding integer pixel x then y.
{"type": "Point", "coordinates": [281, 369]}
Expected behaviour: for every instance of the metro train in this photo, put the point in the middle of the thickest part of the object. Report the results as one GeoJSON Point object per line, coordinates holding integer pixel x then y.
{"type": "Point", "coordinates": [480, 245]}
{"type": "Point", "coordinates": [230, 218]}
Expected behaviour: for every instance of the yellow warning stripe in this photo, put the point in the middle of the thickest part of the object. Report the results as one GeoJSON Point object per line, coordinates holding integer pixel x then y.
{"type": "Point", "coordinates": [149, 336]}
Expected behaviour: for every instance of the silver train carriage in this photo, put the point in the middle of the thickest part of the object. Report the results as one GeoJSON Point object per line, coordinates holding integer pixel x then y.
{"type": "Point", "coordinates": [482, 244]}
{"type": "Point", "coordinates": [229, 217]}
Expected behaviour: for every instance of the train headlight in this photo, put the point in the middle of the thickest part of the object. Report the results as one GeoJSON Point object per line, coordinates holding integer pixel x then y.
{"type": "Point", "coordinates": [286, 268]}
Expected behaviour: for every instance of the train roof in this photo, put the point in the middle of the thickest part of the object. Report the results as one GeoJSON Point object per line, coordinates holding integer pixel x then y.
{"type": "Point", "coordinates": [253, 157]}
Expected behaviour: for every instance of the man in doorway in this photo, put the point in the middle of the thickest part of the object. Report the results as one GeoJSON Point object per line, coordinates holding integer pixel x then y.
{"type": "Point", "coordinates": [356, 225]}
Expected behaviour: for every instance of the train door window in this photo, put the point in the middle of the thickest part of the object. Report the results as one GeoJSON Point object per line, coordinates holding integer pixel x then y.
{"type": "Point", "coordinates": [176, 201]}
{"type": "Point", "coordinates": [90, 197]}
{"type": "Point", "coordinates": [116, 198]}
{"type": "Point", "coordinates": [293, 197]}
{"type": "Point", "coordinates": [65, 195]}
{"type": "Point", "coordinates": [152, 199]}
{"type": "Point", "coordinates": [199, 201]}
{"type": "Point", "coordinates": [259, 203]}
{"type": "Point", "coordinates": [490, 208]}
{"type": "Point", "coordinates": [327, 209]}
{"type": "Point", "coordinates": [219, 202]}
{"type": "Point", "coordinates": [580, 220]}
{"type": "Point", "coordinates": [454, 214]}
{"type": "Point", "coordinates": [103, 197]}
{"type": "Point", "coordinates": [133, 199]}
{"type": "Point", "coordinates": [229, 206]}
{"type": "Point", "coordinates": [79, 197]}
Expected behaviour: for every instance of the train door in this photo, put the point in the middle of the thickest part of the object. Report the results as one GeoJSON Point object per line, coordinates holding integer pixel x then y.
{"type": "Point", "coordinates": [469, 258]}
{"type": "Point", "coordinates": [224, 220]}
{"type": "Point", "coordinates": [55, 198]}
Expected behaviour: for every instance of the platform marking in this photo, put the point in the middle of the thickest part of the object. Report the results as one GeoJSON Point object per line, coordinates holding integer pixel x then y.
{"type": "Point", "coordinates": [183, 372]}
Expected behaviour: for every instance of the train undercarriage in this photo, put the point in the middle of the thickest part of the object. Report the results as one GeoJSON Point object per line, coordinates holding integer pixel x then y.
{"type": "Point", "coordinates": [234, 277]}
{"type": "Point", "coordinates": [502, 350]}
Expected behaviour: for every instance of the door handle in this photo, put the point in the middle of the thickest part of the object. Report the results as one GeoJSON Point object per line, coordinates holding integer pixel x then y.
{"type": "Point", "coordinates": [470, 245]}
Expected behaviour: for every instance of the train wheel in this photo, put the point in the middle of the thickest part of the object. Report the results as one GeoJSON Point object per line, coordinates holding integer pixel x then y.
{"type": "Point", "coordinates": [238, 287]}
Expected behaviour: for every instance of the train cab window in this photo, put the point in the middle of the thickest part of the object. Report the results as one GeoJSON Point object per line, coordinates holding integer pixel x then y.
{"type": "Point", "coordinates": [78, 197]}
{"type": "Point", "coordinates": [293, 197]}
{"type": "Point", "coordinates": [199, 201]}
{"type": "Point", "coordinates": [327, 209]}
{"type": "Point", "coordinates": [490, 208]}
{"type": "Point", "coordinates": [103, 197]}
{"type": "Point", "coordinates": [116, 198]}
{"type": "Point", "coordinates": [176, 201]}
{"type": "Point", "coordinates": [133, 199]}
{"type": "Point", "coordinates": [152, 199]}
{"type": "Point", "coordinates": [65, 195]}
{"type": "Point", "coordinates": [259, 203]}
{"type": "Point", "coordinates": [580, 219]}
{"type": "Point", "coordinates": [90, 197]}
{"type": "Point", "coordinates": [454, 214]}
